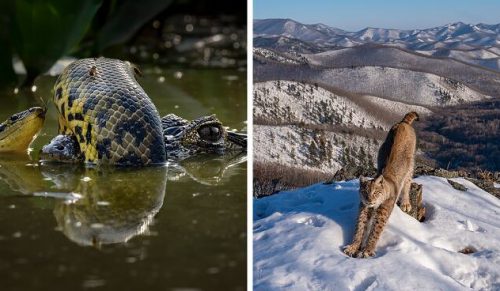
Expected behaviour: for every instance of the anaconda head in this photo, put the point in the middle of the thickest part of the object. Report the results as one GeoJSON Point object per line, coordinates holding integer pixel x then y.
{"type": "Point", "coordinates": [61, 149]}
{"type": "Point", "coordinates": [21, 129]}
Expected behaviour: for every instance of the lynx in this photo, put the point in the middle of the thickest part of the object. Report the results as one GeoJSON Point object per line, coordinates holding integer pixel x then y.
{"type": "Point", "coordinates": [395, 171]}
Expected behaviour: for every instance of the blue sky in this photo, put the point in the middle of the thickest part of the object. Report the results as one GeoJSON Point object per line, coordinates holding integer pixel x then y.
{"type": "Point", "coordinates": [403, 14]}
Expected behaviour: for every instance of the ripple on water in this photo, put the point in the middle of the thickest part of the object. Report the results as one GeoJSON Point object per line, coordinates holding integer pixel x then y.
{"type": "Point", "coordinates": [93, 283]}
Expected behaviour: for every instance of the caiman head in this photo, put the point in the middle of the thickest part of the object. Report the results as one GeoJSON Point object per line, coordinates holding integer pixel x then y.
{"type": "Point", "coordinates": [21, 129]}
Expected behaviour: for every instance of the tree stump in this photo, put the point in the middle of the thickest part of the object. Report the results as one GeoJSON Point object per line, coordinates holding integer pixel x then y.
{"type": "Point", "coordinates": [416, 201]}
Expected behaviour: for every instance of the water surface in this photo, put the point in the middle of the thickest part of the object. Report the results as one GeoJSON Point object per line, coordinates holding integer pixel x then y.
{"type": "Point", "coordinates": [179, 227]}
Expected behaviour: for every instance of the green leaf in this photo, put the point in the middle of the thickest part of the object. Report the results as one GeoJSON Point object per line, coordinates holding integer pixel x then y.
{"type": "Point", "coordinates": [43, 31]}
{"type": "Point", "coordinates": [128, 17]}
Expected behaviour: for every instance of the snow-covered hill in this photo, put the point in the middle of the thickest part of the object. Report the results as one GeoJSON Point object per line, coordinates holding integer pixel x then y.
{"type": "Point", "coordinates": [480, 57]}
{"type": "Point", "coordinates": [306, 126]}
{"type": "Point", "coordinates": [286, 44]}
{"type": "Point", "coordinates": [312, 149]}
{"type": "Point", "coordinates": [299, 235]}
{"type": "Point", "coordinates": [464, 66]}
{"type": "Point", "coordinates": [294, 29]}
{"type": "Point", "coordinates": [412, 87]}
{"type": "Point", "coordinates": [457, 66]}
{"type": "Point", "coordinates": [270, 55]}
{"type": "Point", "coordinates": [400, 85]}
{"type": "Point", "coordinates": [288, 101]}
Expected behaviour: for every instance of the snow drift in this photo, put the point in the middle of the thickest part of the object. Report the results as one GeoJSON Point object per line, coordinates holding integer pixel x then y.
{"type": "Point", "coordinates": [299, 236]}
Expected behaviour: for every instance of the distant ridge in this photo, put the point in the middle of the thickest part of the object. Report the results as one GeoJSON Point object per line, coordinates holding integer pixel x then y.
{"type": "Point", "coordinates": [456, 35]}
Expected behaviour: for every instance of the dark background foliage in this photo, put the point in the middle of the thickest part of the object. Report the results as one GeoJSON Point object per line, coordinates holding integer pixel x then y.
{"type": "Point", "coordinates": [39, 32]}
{"type": "Point", "coordinates": [463, 137]}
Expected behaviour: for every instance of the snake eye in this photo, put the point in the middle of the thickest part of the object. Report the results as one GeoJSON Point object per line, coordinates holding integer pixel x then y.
{"type": "Point", "coordinates": [14, 117]}
{"type": "Point", "coordinates": [60, 148]}
{"type": "Point", "coordinates": [210, 133]}
{"type": "Point", "coordinates": [137, 71]}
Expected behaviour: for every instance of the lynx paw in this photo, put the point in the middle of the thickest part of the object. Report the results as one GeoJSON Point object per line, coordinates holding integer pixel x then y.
{"type": "Point", "coordinates": [365, 254]}
{"type": "Point", "coordinates": [405, 206]}
{"type": "Point", "coordinates": [351, 250]}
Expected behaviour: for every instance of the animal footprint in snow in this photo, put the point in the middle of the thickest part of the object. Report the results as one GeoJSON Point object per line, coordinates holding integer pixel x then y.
{"type": "Point", "coordinates": [470, 226]}
{"type": "Point", "coordinates": [311, 220]}
{"type": "Point", "coordinates": [347, 207]}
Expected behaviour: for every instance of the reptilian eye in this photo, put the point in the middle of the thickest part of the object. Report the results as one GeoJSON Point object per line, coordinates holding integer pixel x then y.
{"type": "Point", "coordinates": [14, 117]}
{"type": "Point", "coordinates": [137, 71]}
{"type": "Point", "coordinates": [210, 133]}
{"type": "Point", "coordinates": [60, 147]}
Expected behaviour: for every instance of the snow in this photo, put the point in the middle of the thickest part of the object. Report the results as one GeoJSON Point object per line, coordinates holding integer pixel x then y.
{"type": "Point", "coordinates": [288, 145]}
{"type": "Point", "coordinates": [291, 104]}
{"type": "Point", "coordinates": [271, 55]}
{"type": "Point", "coordinates": [400, 85]}
{"type": "Point", "coordinates": [495, 50]}
{"type": "Point", "coordinates": [299, 236]}
{"type": "Point", "coordinates": [286, 27]}
{"type": "Point", "coordinates": [300, 102]}
{"type": "Point", "coordinates": [396, 107]}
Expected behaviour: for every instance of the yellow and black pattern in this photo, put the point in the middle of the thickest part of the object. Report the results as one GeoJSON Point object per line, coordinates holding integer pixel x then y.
{"type": "Point", "coordinates": [101, 104]}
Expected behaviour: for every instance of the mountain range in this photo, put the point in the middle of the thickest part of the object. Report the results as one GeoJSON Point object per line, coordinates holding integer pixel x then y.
{"type": "Point", "coordinates": [324, 97]}
{"type": "Point", "coordinates": [455, 36]}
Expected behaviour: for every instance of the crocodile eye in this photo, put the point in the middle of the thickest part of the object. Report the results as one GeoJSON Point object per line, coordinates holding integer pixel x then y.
{"type": "Point", "coordinates": [210, 133]}
{"type": "Point", "coordinates": [14, 118]}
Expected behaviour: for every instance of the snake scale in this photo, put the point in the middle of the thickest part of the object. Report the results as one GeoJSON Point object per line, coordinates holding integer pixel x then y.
{"type": "Point", "coordinates": [105, 117]}
{"type": "Point", "coordinates": [113, 120]}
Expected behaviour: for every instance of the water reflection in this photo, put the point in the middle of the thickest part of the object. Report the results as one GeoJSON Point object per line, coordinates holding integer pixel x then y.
{"type": "Point", "coordinates": [98, 206]}
{"type": "Point", "coordinates": [93, 206]}
{"type": "Point", "coordinates": [207, 169]}
{"type": "Point", "coordinates": [111, 206]}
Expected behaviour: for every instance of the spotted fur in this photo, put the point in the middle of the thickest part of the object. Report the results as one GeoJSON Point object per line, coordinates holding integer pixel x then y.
{"type": "Point", "coordinates": [378, 196]}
